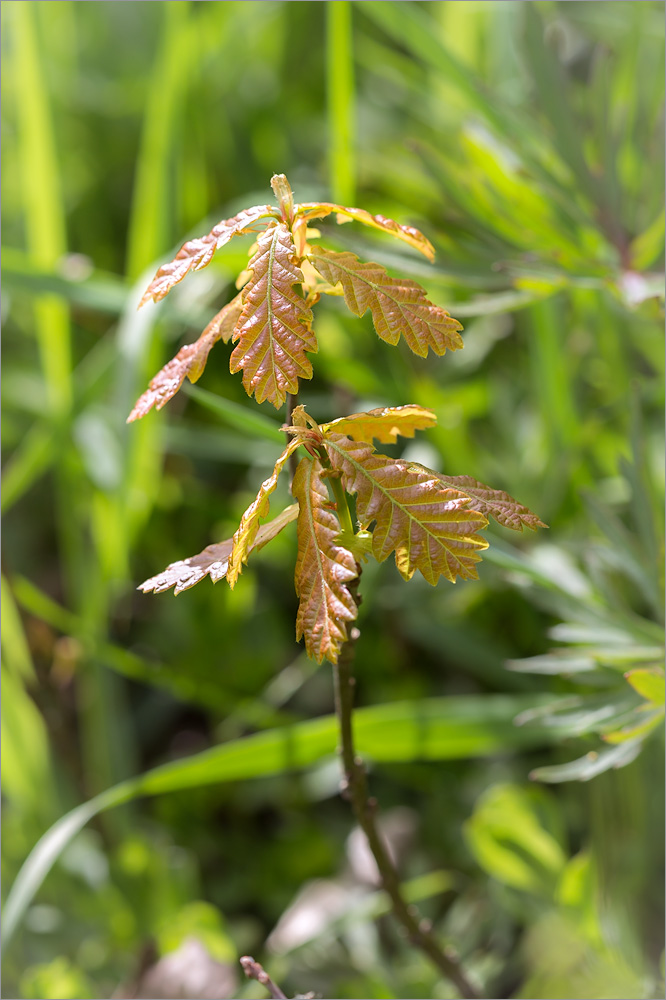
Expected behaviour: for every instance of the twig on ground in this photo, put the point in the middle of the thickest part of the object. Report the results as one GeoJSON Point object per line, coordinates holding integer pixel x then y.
{"type": "Point", "coordinates": [253, 970]}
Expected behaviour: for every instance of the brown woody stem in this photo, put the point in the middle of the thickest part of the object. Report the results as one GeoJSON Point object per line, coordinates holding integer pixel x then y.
{"type": "Point", "coordinates": [253, 970]}
{"type": "Point", "coordinates": [355, 789]}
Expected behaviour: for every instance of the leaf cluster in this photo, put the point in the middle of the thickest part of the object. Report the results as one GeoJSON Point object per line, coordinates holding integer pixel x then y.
{"type": "Point", "coordinates": [270, 321]}
{"type": "Point", "coordinates": [429, 522]}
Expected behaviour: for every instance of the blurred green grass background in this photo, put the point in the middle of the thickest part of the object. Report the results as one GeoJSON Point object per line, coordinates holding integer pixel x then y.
{"type": "Point", "coordinates": [526, 141]}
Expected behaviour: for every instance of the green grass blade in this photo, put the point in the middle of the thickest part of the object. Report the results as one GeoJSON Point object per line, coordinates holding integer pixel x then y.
{"type": "Point", "coordinates": [647, 248]}
{"type": "Point", "coordinates": [149, 233]}
{"type": "Point", "coordinates": [187, 687]}
{"type": "Point", "coordinates": [553, 99]}
{"type": "Point", "coordinates": [241, 418]}
{"type": "Point", "coordinates": [31, 459]}
{"type": "Point", "coordinates": [340, 92]}
{"type": "Point", "coordinates": [43, 204]}
{"type": "Point", "coordinates": [435, 729]}
{"type": "Point", "coordinates": [15, 650]}
{"type": "Point", "coordinates": [412, 27]}
{"type": "Point", "coordinates": [418, 31]}
{"type": "Point", "coordinates": [551, 374]}
{"type": "Point", "coordinates": [100, 291]}
{"type": "Point", "coordinates": [27, 782]}
{"type": "Point", "coordinates": [492, 305]}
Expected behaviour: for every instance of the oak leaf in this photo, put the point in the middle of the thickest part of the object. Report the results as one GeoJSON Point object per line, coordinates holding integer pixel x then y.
{"type": "Point", "coordinates": [246, 533]}
{"type": "Point", "coordinates": [383, 424]}
{"type": "Point", "coordinates": [274, 329]}
{"type": "Point", "coordinates": [189, 362]}
{"type": "Point", "coordinates": [323, 567]}
{"type": "Point", "coordinates": [199, 252]}
{"type": "Point", "coordinates": [408, 234]}
{"type": "Point", "coordinates": [493, 503]}
{"type": "Point", "coordinates": [429, 527]}
{"type": "Point", "coordinates": [214, 560]}
{"type": "Point", "coordinates": [398, 305]}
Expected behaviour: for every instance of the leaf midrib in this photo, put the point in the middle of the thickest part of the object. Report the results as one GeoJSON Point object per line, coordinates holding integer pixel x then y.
{"type": "Point", "coordinates": [406, 307]}
{"type": "Point", "coordinates": [312, 472]}
{"type": "Point", "coordinates": [359, 274]}
{"type": "Point", "coordinates": [493, 506]}
{"type": "Point", "coordinates": [481, 544]}
{"type": "Point", "coordinates": [270, 315]}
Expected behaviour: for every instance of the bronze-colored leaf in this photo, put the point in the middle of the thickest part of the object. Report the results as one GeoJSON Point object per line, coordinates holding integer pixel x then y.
{"type": "Point", "coordinates": [214, 560]}
{"type": "Point", "coordinates": [190, 361]}
{"type": "Point", "coordinates": [199, 252]}
{"type": "Point", "coordinates": [274, 330]}
{"type": "Point", "coordinates": [429, 527]}
{"type": "Point", "coordinates": [408, 234]}
{"type": "Point", "coordinates": [493, 503]}
{"type": "Point", "coordinates": [398, 305]}
{"type": "Point", "coordinates": [322, 568]}
{"type": "Point", "coordinates": [383, 424]}
{"type": "Point", "coordinates": [244, 538]}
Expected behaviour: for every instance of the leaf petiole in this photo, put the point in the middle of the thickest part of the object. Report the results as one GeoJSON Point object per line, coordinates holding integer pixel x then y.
{"type": "Point", "coordinates": [341, 502]}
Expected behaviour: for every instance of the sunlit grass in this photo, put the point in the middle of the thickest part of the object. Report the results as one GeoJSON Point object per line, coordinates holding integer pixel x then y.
{"type": "Point", "coordinates": [525, 140]}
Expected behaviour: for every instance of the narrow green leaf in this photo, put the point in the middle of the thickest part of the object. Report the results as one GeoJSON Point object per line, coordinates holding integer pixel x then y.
{"type": "Point", "coordinates": [550, 363]}
{"type": "Point", "coordinates": [509, 841]}
{"type": "Point", "coordinates": [593, 763]}
{"type": "Point", "coordinates": [340, 97]}
{"type": "Point", "coordinates": [564, 662]}
{"type": "Point", "coordinates": [492, 305]}
{"type": "Point", "coordinates": [27, 780]}
{"type": "Point", "coordinates": [649, 683]}
{"type": "Point", "coordinates": [189, 688]}
{"type": "Point", "coordinates": [148, 232]}
{"type": "Point", "coordinates": [644, 723]}
{"type": "Point", "coordinates": [435, 729]}
{"type": "Point", "coordinates": [100, 291]}
{"type": "Point", "coordinates": [241, 418]}
{"type": "Point", "coordinates": [554, 100]}
{"type": "Point", "coordinates": [15, 650]}
{"type": "Point", "coordinates": [35, 454]}
{"type": "Point", "coordinates": [412, 27]}
{"type": "Point", "coordinates": [648, 247]}
{"type": "Point", "coordinates": [44, 213]}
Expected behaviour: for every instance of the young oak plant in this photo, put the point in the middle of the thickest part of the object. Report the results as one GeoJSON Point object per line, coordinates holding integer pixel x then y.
{"type": "Point", "coordinates": [429, 521]}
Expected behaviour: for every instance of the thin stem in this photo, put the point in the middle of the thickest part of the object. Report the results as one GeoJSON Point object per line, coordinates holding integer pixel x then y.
{"type": "Point", "coordinates": [342, 506]}
{"type": "Point", "coordinates": [292, 403]}
{"type": "Point", "coordinates": [341, 502]}
{"type": "Point", "coordinates": [355, 789]}
{"type": "Point", "coordinates": [253, 970]}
